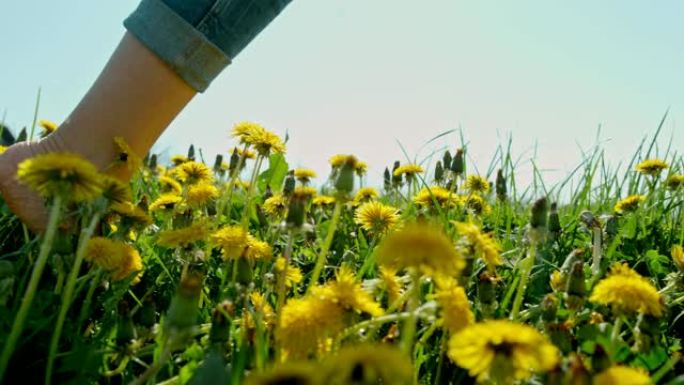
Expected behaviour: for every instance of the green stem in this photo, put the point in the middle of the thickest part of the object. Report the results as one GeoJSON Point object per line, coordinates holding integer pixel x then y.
{"type": "Point", "coordinates": [68, 294]}
{"type": "Point", "coordinates": [660, 373]}
{"type": "Point", "coordinates": [440, 361]}
{"type": "Point", "coordinates": [250, 192]}
{"type": "Point", "coordinates": [597, 251]}
{"type": "Point", "coordinates": [89, 297]}
{"type": "Point", "coordinates": [409, 330]}
{"type": "Point", "coordinates": [525, 270]}
{"type": "Point", "coordinates": [45, 247]}
{"type": "Point", "coordinates": [615, 334]}
{"type": "Point", "coordinates": [322, 255]}
{"type": "Point", "coordinates": [282, 276]}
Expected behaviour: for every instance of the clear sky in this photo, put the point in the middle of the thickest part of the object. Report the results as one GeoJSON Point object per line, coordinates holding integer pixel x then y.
{"type": "Point", "coordinates": [359, 76]}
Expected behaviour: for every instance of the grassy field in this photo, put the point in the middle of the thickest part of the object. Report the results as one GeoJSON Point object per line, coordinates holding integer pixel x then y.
{"type": "Point", "coordinates": [242, 270]}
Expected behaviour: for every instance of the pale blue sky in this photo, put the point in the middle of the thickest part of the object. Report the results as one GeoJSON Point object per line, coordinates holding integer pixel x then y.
{"type": "Point", "coordinates": [359, 75]}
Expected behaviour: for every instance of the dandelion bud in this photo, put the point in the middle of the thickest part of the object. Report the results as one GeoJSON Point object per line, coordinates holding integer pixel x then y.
{"type": "Point", "coordinates": [234, 161]}
{"type": "Point", "coordinates": [148, 314]}
{"type": "Point", "coordinates": [579, 375]}
{"type": "Point", "coordinates": [439, 172]}
{"type": "Point", "coordinates": [600, 360]}
{"type": "Point", "coordinates": [212, 371]}
{"type": "Point", "coordinates": [125, 330]}
{"type": "Point", "coordinates": [559, 333]}
{"type": "Point", "coordinates": [396, 178]}
{"type": "Point", "coordinates": [574, 256]}
{"type": "Point", "coordinates": [589, 220]}
{"type": "Point", "coordinates": [554, 224]}
{"type": "Point", "coordinates": [611, 226]}
{"type": "Point", "coordinates": [218, 163]}
{"type": "Point", "coordinates": [575, 289]}
{"type": "Point", "coordinates": [296, 211]}
{"type": "Point", "coordinates": [486, 292]}
{"type": "Point", "coordinates": [289, 185]}
{"type": "Point", "coordinates": [221, 317]}
{"type": "Point", "coordinates": [152, 162]}
{"type": "Point", "coordinates": [191, 152]}
{"type": "Point", "coordinates": [182, 312]}
{"type": "Point", "coordinates": [458, 162]}
{"type": "Point", "coordinates": [646, 331]}
{"type": "Point", "coordinates": [447, 159]}
{"type": "Point", "coordinates": [549, 307]}
{"type": "Point", "coordinates": [344, 184]}
{"type": "Point", "coordinates": [540, 211]}
{"type": "Point", "coordinates": [22, 136]}
{"type": "Point", "coordinates": [501, 190]}
{"type": "Point", "coordinates": [387, 178]}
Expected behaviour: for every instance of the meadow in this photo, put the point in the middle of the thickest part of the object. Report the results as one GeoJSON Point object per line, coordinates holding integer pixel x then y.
{"type": "Point", "coordinates": [242, 269]}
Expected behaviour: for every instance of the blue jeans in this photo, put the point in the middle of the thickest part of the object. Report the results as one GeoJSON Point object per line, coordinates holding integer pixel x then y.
{"type": "Point", "coordinates": [199, 38]}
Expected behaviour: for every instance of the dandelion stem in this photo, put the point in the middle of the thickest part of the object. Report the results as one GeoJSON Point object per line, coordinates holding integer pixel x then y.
{"type": "Point", "coordinates": [68, 294]}
{"type": "Point", "coordinates": [322, 255]}
{"type": "Point", "coordinates": [409, 330]}
{"type": "Point", "coordinates": [250, 192]}
{"type": "Point", "coordinates": [525, 270]}
{"type": "Point", "coordinates": [37, 272]}
{"type": "Point", "coordinates": [89, 297]}
{"type": "Point", "coordinates": [615, 334]}
{"type": "Point", "coordinates": [597, 251]}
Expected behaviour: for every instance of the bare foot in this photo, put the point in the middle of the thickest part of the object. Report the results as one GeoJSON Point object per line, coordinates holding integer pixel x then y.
{"type": "Point", "coordinates": [25, 203]}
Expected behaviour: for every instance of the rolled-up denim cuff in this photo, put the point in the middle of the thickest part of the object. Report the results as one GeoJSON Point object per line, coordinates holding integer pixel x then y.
{"type": "Point", "coordinates": [176, 42]}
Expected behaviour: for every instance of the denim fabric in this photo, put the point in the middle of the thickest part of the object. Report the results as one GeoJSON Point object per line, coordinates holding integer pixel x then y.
{"type": "Point", "coordinates": [199, 38]}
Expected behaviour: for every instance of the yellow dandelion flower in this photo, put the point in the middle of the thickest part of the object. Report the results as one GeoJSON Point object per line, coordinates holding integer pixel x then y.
{"type": "Point", "coordinates": [201, 194]}
{"type": "Point", "coordinates": [323, 200]}
{"type": "Point", "coordinates": [361, 167]}
{"type": "Point", "coordinates": [477, 204]}
{"type": "Point", "coordinates": [130, 263]}
{"type": "Point", "coordinates": [64, 174]}
{"type": "Point", "coordinates": [192, 172]}
{"type": "Point", "coordinates": [293, 275]}
{"type": "Point", "coordinates": [305, 324]}
{"type": "Point", "coordinates": [262, 306]}
{"type": "Point", "coordinates": [170, 185]}
{"type": "Point", "coordinates": [368, 364]}
{"type": "Point", "coordinates": [502, 351]}
{"type": "Point", "coordinates": [626, 291]}
{"type": "Point", "coordinates": [177, 160]}
{"type": "Point", "coordinates": [114, 190]}
{"type": "Point", "coordinates": [376, 218]}
{"type": "Point", "coordinates": [408, 169]}
{"type": "Point", "coordinates": [231, 239]}
{"type": "Point", "coordinates": [651, 167]}
{"type": "Point", "coordinates": [3, 149]}
{"type": "Point", "coordinates": [119, 259]}
{"type": "Point", "coordinates": [557, 281]}
{"type": "Point", "coordinates": [388, 276]}
{"type": "Point", "coordinates": [304, 192]}
{"type": "Point", "coordinates": [675, 181]}
{"type": "Point", "coordinates": [184, 236]}
{"type": "Point", "coordinates": [481, 244]}
{"type": "Point", "coordinates": [338, 160]}
{"type": "Point", "coordinates": [132, 214]}
{"type": "Point", "coordinates": [477, 184]}
{"type": "Point", "coordinates": [428, 196]}
{"type": "Point", "coordinates": [48, 127]}
{"type": "Point", "coordinates": [678, 256]}
{"type": "Point", "coordinates": [276, 206]}
{"type": "Point", "coordinates": [304, 174]}
{"type": "Point", "coordinates": [346, 292]}
{"type": "Point", "coordinates": [257, 249]}
{"type": "Point", "coordinates": [245, 131]}
{"type": "Point", "coordinates": [365, 194]}
{"type": "Point", "coordinates": [243, 152]}
{"type": "Point", "coordinates": [628, 204]}
{"type": "Point", "coordinates": [622, 375]}
{"type": "Point", "coordinates": [454, 305]}
{"type": "Point", "coordinates": [165, 202]}
{"type": "Point", "coordinates": [421, 246]}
